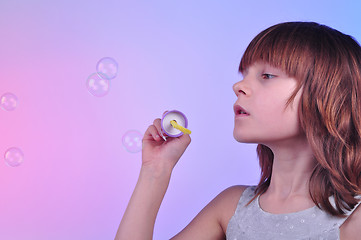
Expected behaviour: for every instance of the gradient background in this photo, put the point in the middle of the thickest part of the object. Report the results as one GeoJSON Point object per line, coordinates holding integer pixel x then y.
{"type": "Point", "coordinates": [77, 178]}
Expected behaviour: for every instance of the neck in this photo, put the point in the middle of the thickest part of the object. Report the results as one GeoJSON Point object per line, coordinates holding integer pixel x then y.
{"type": "Point", "coordinates": [291, 170]}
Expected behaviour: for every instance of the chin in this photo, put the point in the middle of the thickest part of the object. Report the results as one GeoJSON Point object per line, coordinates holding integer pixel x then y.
{"type": "Point", "coordinates": [242, 138]}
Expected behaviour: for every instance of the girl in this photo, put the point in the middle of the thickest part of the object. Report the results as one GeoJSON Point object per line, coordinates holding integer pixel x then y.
{"type": "Point", "coordinates": [300, 100]}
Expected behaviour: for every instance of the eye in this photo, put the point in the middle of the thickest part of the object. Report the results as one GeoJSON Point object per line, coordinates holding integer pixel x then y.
{"type": "Point", "coordinates": [267, 76]}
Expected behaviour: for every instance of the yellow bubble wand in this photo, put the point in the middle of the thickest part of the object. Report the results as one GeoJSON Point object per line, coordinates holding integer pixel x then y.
{"type": "Point", "coordinates": [179, 127]}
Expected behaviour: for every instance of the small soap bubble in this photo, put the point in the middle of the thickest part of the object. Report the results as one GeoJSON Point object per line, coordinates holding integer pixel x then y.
{"type": "Point", "coordinates": [97, 85]}
{"type": "Point", "coordinates": [108, 67]}
{"type": "Point", "coordinates": [8, 101]}
{"type": "Point", "coordinates": [14, 157]}
{"type": "Point", "coordinates": [132, 141]}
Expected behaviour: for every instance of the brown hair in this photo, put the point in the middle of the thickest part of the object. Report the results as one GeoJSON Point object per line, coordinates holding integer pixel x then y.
{"type": "Point", "coordinates": [327, 65]}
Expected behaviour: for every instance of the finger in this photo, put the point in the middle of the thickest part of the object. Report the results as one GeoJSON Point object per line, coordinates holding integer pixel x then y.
{"type": "Point", "coordinates": [158, 124]}
{"type": "Point", "coordinates": [152, 134]}
{"type": "Point", "coordinates": [164, 113]}
{"type": "Point", "coordinates": [185, 140]}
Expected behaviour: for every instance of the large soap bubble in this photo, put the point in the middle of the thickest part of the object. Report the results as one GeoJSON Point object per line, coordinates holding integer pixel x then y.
{"type": "Point", "coordinates": [97, 85]}
{"type": "Point", "coordinates": [107, 67]}
{"type": "Point", "coordinates": [132, 141]}
{"type": "Point", "coordinates": [8, 101]}
{"type": "Point", "coordinates": [14, 157]}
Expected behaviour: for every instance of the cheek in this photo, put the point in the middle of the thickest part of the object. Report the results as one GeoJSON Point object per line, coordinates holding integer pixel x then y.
{"type": "Point", "coordinates": [269, 109]}
{"type": "Point", "coordinates": [288, 121]}
{"type": "Point", "coordinates": [275, 116]}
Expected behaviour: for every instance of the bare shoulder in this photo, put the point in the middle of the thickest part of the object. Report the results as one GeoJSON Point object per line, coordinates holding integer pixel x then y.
{"type": "Point", "coordinates": [226, 203]}
{"type": "Point", "coordinates": [231, 194]}
{"type": "Point", "coordinates": [212, 221]}
{"type": "Point", "coordinates": [351, 230]}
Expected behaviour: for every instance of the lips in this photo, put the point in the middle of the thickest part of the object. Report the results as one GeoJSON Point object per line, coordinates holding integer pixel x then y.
{"type": "Point", "coordinates": [238, 110]}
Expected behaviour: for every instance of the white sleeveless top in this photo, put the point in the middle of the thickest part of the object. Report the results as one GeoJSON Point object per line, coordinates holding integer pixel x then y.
{"type": "Point", "coordinates": [252, 223]}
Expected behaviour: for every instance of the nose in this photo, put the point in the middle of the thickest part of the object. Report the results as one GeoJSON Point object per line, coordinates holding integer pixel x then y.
{"type": "Point", "coordinates": [239, 88]}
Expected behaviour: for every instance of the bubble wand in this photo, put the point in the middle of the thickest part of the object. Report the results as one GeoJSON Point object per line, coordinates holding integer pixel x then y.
{"type": "Point", "coordinates": [174, 123]}
{"type": "Point", "coordinates": [179, 127]}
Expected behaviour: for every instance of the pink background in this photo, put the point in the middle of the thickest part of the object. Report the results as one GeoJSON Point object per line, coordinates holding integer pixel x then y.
{"type": "Point", "coordinates": [77, 178]}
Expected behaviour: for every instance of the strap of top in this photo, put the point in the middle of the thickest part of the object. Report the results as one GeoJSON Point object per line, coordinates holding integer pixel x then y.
{"type": "Point", "coordinates": [349, 212]}
{"type": "Point", "coordinates": [246, 196]}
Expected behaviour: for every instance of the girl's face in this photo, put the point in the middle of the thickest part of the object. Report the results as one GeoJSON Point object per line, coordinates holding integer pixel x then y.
{"type": "Point", "coordinates": [261, 114]}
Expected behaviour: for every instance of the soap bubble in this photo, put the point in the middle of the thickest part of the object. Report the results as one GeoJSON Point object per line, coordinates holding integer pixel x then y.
{"type": "Point", "coordinates": [97, 85]}
{"type": "Point", "coordinates": [8, 101]}
{"type": "Point", "coordinates": [108, 67]}
{"type": "Point", "coordinates": [132, 141]}
{"type": "Point", "coordinates": [14, 157]}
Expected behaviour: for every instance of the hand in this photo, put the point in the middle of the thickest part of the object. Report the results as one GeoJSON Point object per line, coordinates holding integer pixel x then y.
{"type": "Point", "coordinates": [159, 154]}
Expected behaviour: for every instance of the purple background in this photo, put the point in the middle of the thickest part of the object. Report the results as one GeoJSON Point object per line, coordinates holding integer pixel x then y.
{"type": "Point", "coordinates": [77, 178]}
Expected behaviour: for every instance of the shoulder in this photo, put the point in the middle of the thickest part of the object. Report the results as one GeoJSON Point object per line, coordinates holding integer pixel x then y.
{"type": "Point", "coordinates": [212, 221]}
{"type": "Point", "coordinates": [232, 194]}
{"type": "Point", "coordinates": [226, 203]}
{"type": "Point", "coordinates": [350, 229]}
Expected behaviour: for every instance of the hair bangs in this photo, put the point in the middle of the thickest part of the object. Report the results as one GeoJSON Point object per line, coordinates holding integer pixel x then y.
{"type": "Point", "coordinates": [282, 46]}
